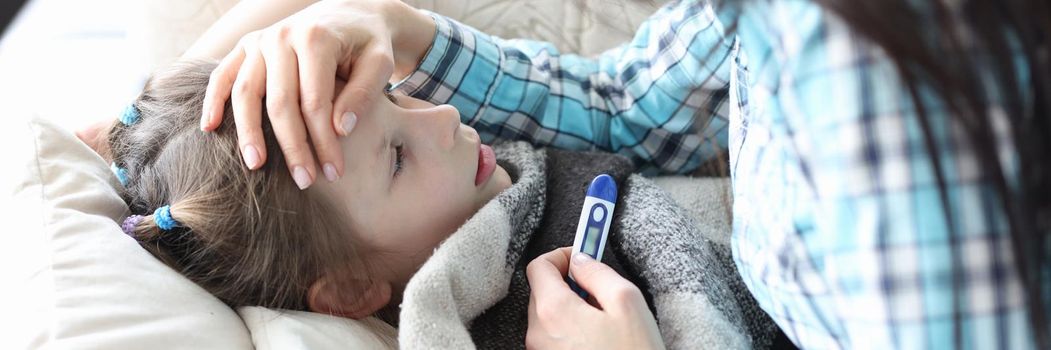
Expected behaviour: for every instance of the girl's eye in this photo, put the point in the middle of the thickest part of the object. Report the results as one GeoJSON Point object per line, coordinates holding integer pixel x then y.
{"type": "Point", "coordinates": [398, 158]}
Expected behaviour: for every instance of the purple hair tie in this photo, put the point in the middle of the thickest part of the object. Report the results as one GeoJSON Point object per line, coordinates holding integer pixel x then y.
{"type": "Point", "coordinates": [129, 224]}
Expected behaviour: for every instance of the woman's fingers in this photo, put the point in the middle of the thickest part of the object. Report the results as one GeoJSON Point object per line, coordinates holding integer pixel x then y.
{"type": "Point", "coordinates": [282, 104]}
{"type": "Point", "coordinates": [551, 303]}
{"type": "Point", "coordinates": [318, 45]}
{"type": "Point", "coordinates": [317, 79]}
{"type": "Point", "coordinates": [220, 85]}
{"type": "Point", "coordinates": [610, 289]}
{"type": "Point", "coordinates": [246, 99]}
{"type": "Point", "coordinates": [559, 319]}
{"type": "Point", "coordinates": [546, 276]}
{"type": "Point", "coordinates": [367, 75]}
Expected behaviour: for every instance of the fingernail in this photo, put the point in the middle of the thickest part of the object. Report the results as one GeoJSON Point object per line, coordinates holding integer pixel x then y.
{"type": "Point", "coordinates": [349, 120]}
{"type": "Point", "coordinates": [330, 172]}
{"type": "Point", "coordinates": [581, 258]}
{"type": "Point", "coordinates": [204, 121]}
{"type": "Point", "coordinates": [251, 157]}
{"type": "Point", "coordinates": [302, 178]}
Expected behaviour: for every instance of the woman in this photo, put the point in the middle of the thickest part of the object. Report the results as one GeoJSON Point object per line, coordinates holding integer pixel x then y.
{"type": "Point", "coordinates": [888, 158]}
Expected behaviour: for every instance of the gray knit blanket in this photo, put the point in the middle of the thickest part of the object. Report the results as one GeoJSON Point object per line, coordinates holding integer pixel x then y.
{"type": "Point", "coordinates": [473, 292]}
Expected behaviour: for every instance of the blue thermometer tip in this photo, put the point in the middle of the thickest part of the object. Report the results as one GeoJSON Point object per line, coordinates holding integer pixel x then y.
{"type": "Point", "coordinates": [603, 187]}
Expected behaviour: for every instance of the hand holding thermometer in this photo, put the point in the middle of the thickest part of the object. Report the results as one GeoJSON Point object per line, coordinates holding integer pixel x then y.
{"type": "Point", "coordinates": [593, 227]}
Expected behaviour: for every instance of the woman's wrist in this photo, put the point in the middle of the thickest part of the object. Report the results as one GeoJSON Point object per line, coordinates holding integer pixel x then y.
{"type": "Point", "coordinates": [412, 32]}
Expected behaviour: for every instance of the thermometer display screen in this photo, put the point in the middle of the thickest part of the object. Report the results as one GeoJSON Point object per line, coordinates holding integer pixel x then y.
{"type": "Point", "coordinates": [591, 240]}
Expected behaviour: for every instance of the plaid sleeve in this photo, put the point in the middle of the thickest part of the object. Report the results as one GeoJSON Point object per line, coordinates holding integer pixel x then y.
{"type": "Point", "coordinates": [839, 228]}
{"type": "Point", "coordinates": [659, 99]}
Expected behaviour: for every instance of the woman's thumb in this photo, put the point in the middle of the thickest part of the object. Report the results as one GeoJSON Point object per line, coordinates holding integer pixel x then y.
{"type": "Point", "coordinates": [605, 284]}
{"type": "Point", "coordinates": [592, 275]}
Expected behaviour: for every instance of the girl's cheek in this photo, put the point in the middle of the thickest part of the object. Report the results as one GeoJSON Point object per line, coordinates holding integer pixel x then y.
{"type": "Point", "coordinates": [444, 183]}
{"type": "Point", "coordinates": [450, 198]}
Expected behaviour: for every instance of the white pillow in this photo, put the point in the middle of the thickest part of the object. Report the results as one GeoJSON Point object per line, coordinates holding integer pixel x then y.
{"type": "Point", "coordinates": [81, 283]}
{"type": "Point", "coordinates": [88, 284]}
{"type": "Point", "coordinates": [280, 330]}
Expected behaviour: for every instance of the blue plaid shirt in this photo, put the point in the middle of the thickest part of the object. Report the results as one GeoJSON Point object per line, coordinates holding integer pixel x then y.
{"type": "Point", "coordinates": [838, 229]}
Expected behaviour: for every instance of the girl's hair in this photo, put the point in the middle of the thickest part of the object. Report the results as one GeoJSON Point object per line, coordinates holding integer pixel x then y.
{"type": "Point", "coordinates": [248, 237]}
{"type": "Point", "coordinates": [974, 56]}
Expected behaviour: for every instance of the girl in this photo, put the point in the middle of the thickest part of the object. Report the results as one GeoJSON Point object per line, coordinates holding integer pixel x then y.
{"type": "Point", "coordinates": [254, 238]}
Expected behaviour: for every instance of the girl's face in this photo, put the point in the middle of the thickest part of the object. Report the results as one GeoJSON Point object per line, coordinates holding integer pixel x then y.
{"type": "Point", "coordinates": [410, 181]}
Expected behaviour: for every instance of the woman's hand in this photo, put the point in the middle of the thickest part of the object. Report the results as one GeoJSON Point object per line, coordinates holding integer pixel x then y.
{"type": "Point", "coordinates": [294, 64]}
{"type": "Point", "coordinates": [560, 319]}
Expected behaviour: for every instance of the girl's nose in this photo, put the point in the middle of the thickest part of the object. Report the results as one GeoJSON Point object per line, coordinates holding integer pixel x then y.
{"type": "Point", "coordinates": [441, 124]}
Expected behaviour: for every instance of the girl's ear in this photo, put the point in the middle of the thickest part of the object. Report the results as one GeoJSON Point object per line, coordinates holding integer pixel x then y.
{"type": "Point", "coordinates": [95, 136]}
{"type": "Point", "coordinates": [326, 298]}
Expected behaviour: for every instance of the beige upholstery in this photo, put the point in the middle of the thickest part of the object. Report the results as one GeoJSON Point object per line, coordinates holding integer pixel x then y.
{"type": "Point", "coordinates": [585, 27]}
{"type": "Point", "coordinates": [169, 27]}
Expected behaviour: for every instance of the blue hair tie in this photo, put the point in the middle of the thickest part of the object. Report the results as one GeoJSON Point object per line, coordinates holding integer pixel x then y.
{"type": "Point", "coordinates": [122, 175]}
{"type": "Point", "coordinates": [130, 115]}
{"type": "Point", "coordinates": [163, 217]}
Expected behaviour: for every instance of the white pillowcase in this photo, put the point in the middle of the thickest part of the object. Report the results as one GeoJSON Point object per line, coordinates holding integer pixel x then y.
{"type": "Point", "coordinates": [284, 329]}
{"type": "Point", "coordinates": [81, 283]}
{"type": "Point", "coordinates": [89, 285]}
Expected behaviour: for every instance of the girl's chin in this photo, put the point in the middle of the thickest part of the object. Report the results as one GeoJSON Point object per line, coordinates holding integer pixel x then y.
{"type": "Point", "coordinates": [501, 179]}
{"type": "Point", "coordinates": [498, 182]}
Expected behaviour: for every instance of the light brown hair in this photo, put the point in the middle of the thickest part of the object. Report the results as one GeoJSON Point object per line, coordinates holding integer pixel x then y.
{"type": "Point", "coordinates": [248, 237]}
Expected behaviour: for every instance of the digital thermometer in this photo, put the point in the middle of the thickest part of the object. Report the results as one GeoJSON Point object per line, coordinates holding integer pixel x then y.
{"type": "Point", "coordinates": [593, 227]}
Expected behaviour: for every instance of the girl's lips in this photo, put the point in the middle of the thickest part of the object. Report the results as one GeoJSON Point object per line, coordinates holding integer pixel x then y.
{"type": "Point", "coordinates": [486, 164]}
